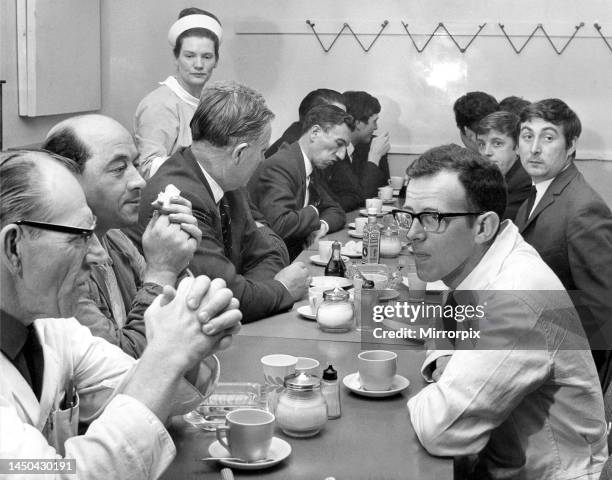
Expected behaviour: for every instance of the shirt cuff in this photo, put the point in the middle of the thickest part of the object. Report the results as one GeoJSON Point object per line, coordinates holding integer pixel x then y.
{"type": "Point", "coordinates": [429, 365]}
{"type": "Point", "coordinates": [315, 209]}
{"type": "Point", "coordinates": [324, 227]}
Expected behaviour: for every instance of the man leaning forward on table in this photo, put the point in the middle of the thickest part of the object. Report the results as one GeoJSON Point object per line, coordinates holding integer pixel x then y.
{"type": "Point", "coordinates": [524, 400]}
{"type": "Point", "coordinates": [45, 238]}
{"type": "Point", "coordinates": [288, 187]}
{"type": "Point", "coordinates": [123, 283]}
{"type": "Point", "coordinates": [231, 130]}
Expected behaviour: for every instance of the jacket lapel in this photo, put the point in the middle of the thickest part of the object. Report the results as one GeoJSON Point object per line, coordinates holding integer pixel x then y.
{"type": "Point", "coordinates": [555, 189]}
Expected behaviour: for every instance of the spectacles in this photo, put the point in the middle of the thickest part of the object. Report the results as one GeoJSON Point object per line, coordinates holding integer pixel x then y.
{"type": "Point", "coordinates": [86, 233]}
{"type": "Point", "coordinates": [430, 221]}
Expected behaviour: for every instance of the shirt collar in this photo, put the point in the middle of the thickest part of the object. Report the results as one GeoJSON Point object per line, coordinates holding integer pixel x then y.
{"type": "Point", "coordinates": [307, 163]}
{"type": "Point", "coordinates": [173, 84]}
{"type": "Point", "coordinates": [492, 261]}
{"type": "Point", "coordinates": [349, 151]}
{"type": "Point", "coordinates": [216, 190]}
{"type": "Point", "coordinates": [14, 335]}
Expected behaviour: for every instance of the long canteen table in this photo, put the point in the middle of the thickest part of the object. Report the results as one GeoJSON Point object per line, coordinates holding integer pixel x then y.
{"type": "Point", "coordinates": [373, 439]}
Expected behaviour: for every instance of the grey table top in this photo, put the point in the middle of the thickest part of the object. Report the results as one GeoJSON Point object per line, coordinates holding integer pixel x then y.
{"type": "Point", "coordinates": [373, 439]}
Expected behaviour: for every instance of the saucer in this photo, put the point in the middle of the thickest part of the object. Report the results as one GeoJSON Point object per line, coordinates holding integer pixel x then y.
{"type": "Point", "coordinates": [306, 312]}
{"type": "Point", "coordinates": [352, 382]}
{"type": "Point", "coordinates": [355, 234]}
{"type": "Point", "coordinates": [279, 450]}
{"type": "Point", "coordinates": [351, 225]}
{"type": "Point", "coordinates": [316, 259]}
{"type": "Point", "coordinates": [385, 209]}
{"type": "Point", "coordinates": [330, 282]}
{"type": "Point", "coordinates": [390, 200]}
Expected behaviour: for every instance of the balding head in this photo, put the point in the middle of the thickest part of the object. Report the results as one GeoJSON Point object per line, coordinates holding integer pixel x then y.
{"type": "Point", "coordinates": [77, 137]}
{"type": "Point", "coordinates": [107, 157]}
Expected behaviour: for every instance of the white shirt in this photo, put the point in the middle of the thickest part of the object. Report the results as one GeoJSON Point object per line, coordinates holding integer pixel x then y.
{"type": "Point", "coordinates": [308, 168]}
{"type": "Point", "coordinates": [216, 189]}
{"type": "Point", "coordinates": [541, 188]}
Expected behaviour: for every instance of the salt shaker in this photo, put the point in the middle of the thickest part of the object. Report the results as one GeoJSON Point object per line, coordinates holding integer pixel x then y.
{"type": "Point", "coordinates": [331, 391]}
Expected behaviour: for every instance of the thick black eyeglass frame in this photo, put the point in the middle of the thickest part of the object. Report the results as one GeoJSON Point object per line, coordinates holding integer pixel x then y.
{"type": "Point", "coordinates": [440, 216]}
{"type": "Point", "coordinates": [86, 233]}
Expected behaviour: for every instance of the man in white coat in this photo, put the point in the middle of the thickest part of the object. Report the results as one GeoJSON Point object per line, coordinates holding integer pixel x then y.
{"type": "Point", "coordinates": [523, 399]}
{"type": "Point", "coordinates": [53, 372]}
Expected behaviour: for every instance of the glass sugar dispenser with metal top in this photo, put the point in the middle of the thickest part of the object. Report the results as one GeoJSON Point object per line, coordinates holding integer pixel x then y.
{"type": "Point", "coordinates": [336, 313]}
{"type": "Point", "coordinates": [301, 410]}
{"type": "Point", "coordinates": [390, 242]}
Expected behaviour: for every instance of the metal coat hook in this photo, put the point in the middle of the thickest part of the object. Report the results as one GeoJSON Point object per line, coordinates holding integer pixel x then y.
{"type": "Point", "coordinates": [598, 28]}
{"type": "Point", "coordinates": [541, 27]}
{"type": "Point", "coordinates": [346, 26]}
{"type": "Point", "coordinates": [443, 27]}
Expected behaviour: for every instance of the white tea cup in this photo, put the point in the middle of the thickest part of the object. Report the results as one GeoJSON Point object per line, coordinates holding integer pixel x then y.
{"type": "Point", "coordinates": [315, 298]}
{"type": "Point", "coordinates": [325, 250]}
{"type": "Point", "coordinates": [360, 222]}
{"type": "Point", "coordinates": [248, 433]}
{"type": "Point", "coordinates": [385, 193]}
{"type": "Point", "coordinates": [396, 182]}
{"type": "Point", "coordinates": [307, 365]}
{"type": "Point", "coordinates": [376, 203]}
{"type": "Point", "coordinates": [277, 366]}
{"type": "Point", "coordinates": [377, 369]}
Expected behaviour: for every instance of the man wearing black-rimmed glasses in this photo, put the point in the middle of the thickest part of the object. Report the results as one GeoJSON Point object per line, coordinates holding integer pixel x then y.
{"type": "Point", "coordinates": [54, 373]}
{"type": "Point", "coordinates": [507, 401]}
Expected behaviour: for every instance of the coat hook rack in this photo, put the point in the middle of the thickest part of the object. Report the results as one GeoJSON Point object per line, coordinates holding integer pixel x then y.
{"type": "Point", "coordinates": [539, 26]}
{"type": "Point", "coordinates": [598, 28]}
{"type": "Point", "coordinates": [452, 37]}
{"type": "Point", "coordinates": [346, 26]}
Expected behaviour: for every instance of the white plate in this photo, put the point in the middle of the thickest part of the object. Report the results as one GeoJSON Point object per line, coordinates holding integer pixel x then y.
{"type": "Point", "coordinates": [279, 450]}
{"type": "Point", "coordinates": [355, 234]}
{"type": "Point", "coordinates": [330, 282]}
{"type": "Point", "coordinates": [351, 225]}
{"type": "Point", "coordinates": [352, 382]}
{"type": "Point", "coordinates": [391, 200]}
{"type": "Point", "coordinates": [316, 259]}
{"type": "Point", "coordinates": [351, 252]}
{"type": "Point", "coordinates": [306, 312]}
{"type": "Point", "coordinates": [385, 209]}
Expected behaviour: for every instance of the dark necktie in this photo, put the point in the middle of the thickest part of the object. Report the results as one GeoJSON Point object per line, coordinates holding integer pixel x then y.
{"type": "Point", "coordinates": [530, 201]}
{"type": "Point", "coordinates": [32, 359]}
{"type": "Point", "coordinates": [226, 226]}
{"type": "Point", "coordinates": [313, 193]}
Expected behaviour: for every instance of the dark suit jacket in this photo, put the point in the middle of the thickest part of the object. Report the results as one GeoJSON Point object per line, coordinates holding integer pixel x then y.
{"type": "Point", "coordinates": [571, 228]}
{"type": "Point", "coordinates": [278, 188]}
{"type": "Point", "coordinates": [292, 134]}
{"type": "Point", "coordinates": [519, 185]}
{"type": "Point", "coordinates": [350, 183]}
{"type": "Point", "coordinates": [255, 260]}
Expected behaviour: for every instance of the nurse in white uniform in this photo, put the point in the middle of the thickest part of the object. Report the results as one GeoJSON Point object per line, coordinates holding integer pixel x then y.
{"type": "Point", "coordinates": [161, 122]}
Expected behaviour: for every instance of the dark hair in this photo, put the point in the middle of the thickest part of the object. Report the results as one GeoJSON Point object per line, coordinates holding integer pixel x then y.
{"type": "Point", "coordinates": [504, 122]}
{"type": "Point", "coordinates": [556, 112]}
{"type": "Point", "coordinates": [473, 107]}
{"type": "Point", "coordinates": [196, 32]}
{"type": "Point", "coordinates": [22, 186]}
{"type": "Point", "coordinates": [229, 113]}
{"type": "Point", "coordinates": [361, 105]}
{"type": "Point", "coordinates": [513, 104]}
{"type": "Point", "coordinates": [321, 96]}
{"type": "Point", "coordinates": [482, 180]}
{"type": "Point", "coordinates": [66, 143]}
{"type": "Point", "coordinates": [327, 116]}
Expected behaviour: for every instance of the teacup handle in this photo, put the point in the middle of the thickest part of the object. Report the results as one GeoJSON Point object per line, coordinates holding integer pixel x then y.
{"type": "Point", "coordinates": [221, 433]}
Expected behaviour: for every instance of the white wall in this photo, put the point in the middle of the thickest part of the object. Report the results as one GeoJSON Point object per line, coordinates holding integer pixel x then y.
{"type": "Point", "coordinates": [416, 90]}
